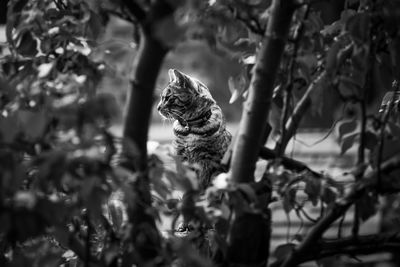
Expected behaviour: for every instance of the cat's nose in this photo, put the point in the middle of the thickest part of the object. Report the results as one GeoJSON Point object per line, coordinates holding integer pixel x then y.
{"type": "Point", "coordinates": [159, 106]}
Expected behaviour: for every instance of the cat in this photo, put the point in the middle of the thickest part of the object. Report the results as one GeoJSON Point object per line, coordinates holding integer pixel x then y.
{"type": "Point", "coordinates": [199, 126]}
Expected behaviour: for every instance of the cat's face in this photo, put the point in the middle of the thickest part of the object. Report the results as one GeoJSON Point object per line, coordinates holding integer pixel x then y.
{"type": "Point", "coordinates": [184, 98]}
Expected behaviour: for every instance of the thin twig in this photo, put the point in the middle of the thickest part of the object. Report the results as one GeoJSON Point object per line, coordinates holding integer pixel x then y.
{"type": "Point", "coordinates": [360, 162]}
{"type": "Point", "coordinates": [280, 148]}
{"type": "Point", "coordinates": [300, 109]}
{"type": "Point", "coordinates": [384, 121]}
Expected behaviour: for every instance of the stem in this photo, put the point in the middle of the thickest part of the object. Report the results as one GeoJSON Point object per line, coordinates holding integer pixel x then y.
{"type": "Point", "coordinates": [256, 108]}
{"type": "Point", "coordinates": [360, 163]}
{"type": "Point", "coordinates": [289, 85]}
{"type": "Point", "coordinates": [299, 111]}
{"type": "Point", "coordinates": [251, 133]}
{"type": "Point", "coordinates": [148, 63]}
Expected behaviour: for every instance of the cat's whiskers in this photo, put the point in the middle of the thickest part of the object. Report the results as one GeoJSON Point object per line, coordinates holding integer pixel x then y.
{"type": "Point", "coordinates": [176, 113]}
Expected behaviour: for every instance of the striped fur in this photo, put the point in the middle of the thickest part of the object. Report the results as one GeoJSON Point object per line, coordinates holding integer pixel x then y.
{"type": "Point", "coordinates": [199, 126]}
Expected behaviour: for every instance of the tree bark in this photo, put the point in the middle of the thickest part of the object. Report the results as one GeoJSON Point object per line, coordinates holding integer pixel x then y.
{"type": "Point", "coordinates": [255, 228]}
{"type": "Point", "coordinates": [256, 108]}
{"type": "Point", "coordinates": [151, 53]}
{"type": "Point", "coordinates": [147, 65]}
{"type": "Point", "coordinates": [145, 235]}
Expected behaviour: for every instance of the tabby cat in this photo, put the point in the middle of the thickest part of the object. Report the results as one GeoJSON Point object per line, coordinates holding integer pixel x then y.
{"type": "Point", "coordinates": [199, 125]}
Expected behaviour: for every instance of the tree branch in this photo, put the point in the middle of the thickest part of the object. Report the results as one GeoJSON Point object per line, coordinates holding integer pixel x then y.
{"type": "Point", "coordinates": [256, 108]}
{"type": "Point", "coordinates": [299, 111]}
{"type": "Point", "coordinates": [151, 53]}
{"type": "Point", "coordinates": [370, 181]}
{"type": "Point", "coordinates": [360, 245]}
{"type": "Point", "coordinates": [288, 163]}
{"type": "Point", "coordinates": [280, 150]}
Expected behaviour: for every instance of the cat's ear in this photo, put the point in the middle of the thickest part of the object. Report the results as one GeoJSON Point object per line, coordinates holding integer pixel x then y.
{"type": "Point", "coordinates": [176, 76]}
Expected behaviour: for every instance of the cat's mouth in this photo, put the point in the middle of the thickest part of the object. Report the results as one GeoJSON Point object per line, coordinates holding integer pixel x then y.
{"type": "Point", "coordinates": [166, 113]}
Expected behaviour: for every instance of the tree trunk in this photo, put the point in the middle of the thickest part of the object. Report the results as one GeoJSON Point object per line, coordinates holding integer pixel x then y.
{"type": "Point", "coordinates": [146, 68]}
{"type": "Point", "coordinates": [255, 228]}
{"type": "Point", "coordinates": [145, 236]}
{"type": "Point", "coordinates": [258, 103]}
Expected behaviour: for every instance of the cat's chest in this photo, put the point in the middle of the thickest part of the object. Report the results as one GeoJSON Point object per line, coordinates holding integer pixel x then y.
{"type": "Point", "coordinates": [192, 142]}
{"type": "Point", "coordinates": [193, 147]}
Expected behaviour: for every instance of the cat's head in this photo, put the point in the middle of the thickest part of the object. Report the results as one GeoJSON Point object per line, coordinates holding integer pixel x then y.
{"type": "Point", "coordinates": [184, 98]}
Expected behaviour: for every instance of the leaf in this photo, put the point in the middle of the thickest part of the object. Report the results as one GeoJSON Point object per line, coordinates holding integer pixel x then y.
{"type": "Point", "coordinates": [283, 251]}
{"type": "Point", "coordinates": [328, 196]}
{"type": "Point", "coordinates": [358, 27]}
{"type": "Point", "coordinates": [9, 128]}
{"type": "Point", "coordinates": [274, 120]}
{"type": "Point", "coordinates": [331, 58]}
{"type": "Point", "coordinates": [313, 24]}
{"type": "Point", "coordinates": [33, 124]}
{"type": "Point", "coordinates": [102, 107]}
{"type": "Point", "coordinates": [248, 191]}
{"type": "Point", "coordinates": [332, 29]}
{"type": "Point", "coordinates": [307, 63]}
{"type": "Point", "coordinates": [289, 199]}
{"type": "Point", "coordinates": [249, 60]}
{"type": "Point", "coordinates": [221, 181]}
{"type": "Point", "coordinates": [237, 85]}
{"type": "Point", "coordinates": [371, 140]}
{"type": "Point", "coordinates": [44, 69]}
{"type": "Point", "coordinates": [348, 141]}
{"type": "Point", "coordinates": [368, 206]}
{"type": "Point", "coordinates": [317, 96]}
{"type": "Point", "coordinates": [313, 189]}
{"type": "Point", "coordinates": [25, 199]}
{"type": "Point", "coordinates": [394, 129]}
{"type": "Point", "coordinates": [390, 149]}
{"type": "Point", "coordinates": [27, 44]}
{"type": "Point", "coordinates": [344, 17]}
{"type": "Point", "coordinates": [359, 59]}
{"type": "Point", "coordinates": [62, 235]}
{"type": "Point", "coordinates": [345, 127]}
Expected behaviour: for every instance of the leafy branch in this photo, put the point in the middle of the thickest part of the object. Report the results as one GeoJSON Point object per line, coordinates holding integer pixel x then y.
{"type": "Point", "coordinates": [369, 182]}
{"type": "Point", "coordinates": [361, 245]}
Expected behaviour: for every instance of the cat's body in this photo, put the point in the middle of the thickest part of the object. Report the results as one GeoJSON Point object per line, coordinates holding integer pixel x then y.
{"type": "Point", "coordinates": [200, 132]}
